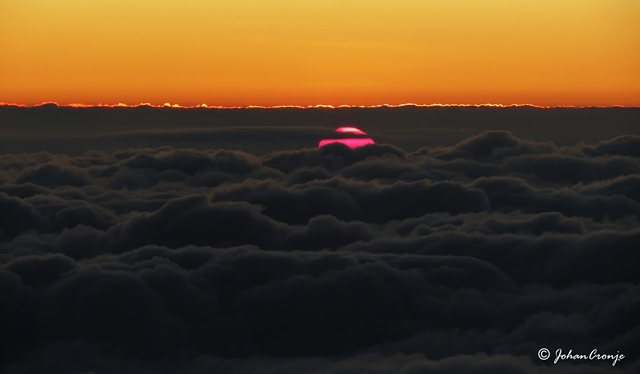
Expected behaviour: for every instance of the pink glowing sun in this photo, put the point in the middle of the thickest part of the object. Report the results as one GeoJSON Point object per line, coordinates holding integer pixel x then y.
{"type": "Point", "coordinates": [351, 142]}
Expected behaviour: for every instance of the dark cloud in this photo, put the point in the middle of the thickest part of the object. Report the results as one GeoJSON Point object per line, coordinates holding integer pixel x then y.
{"type": "Point", "coordinates": [40, 270]}
{"type": "Point", "coordinates": [51, 175]}
{"type": "Point", "coordinates": [627, 145]}
{"type": "Point", "coordinates": [18, 216]}
{"type": "Point", "coordinates": [467, 257]}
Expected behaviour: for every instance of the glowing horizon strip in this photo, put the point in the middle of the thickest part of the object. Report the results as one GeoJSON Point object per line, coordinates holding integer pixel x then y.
{"type": "Point", "coordinates": [351, 130]}
{"type": "Point", "coordinates": [349, 142]}
{"type": "Point", "coordinates": [317, 106]}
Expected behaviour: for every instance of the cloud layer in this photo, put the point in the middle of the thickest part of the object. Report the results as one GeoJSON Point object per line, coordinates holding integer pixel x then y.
{"type": "Point", "coordinates": [75, 131]}
{"type": "Point", "coordinates": [448, 259]}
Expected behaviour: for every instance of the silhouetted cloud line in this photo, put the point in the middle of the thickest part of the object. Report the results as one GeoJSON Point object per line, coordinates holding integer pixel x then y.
{"type": "Point", "coordinates": [450, 258]}
{"type": "Point", "coordinates": [76, 131]}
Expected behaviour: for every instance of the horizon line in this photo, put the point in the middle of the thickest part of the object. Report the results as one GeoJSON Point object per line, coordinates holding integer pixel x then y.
{"type": "Point", "coordinates": [317, 106]}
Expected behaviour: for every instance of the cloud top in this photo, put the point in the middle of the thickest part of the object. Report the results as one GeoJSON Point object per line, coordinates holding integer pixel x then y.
{"type": "Point", "coordinates": [450, 258]}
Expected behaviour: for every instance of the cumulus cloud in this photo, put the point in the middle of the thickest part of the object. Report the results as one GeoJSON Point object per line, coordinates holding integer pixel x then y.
{"type": "Point", "coordinates": [461, 258]}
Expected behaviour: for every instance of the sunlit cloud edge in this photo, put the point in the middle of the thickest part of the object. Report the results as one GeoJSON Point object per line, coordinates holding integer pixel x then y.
{"type": "Point", "coordinates": [317, 106]}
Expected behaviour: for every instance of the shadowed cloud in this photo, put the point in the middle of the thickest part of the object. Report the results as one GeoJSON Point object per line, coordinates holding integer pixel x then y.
{"type": "Point", "coordinates": [467, 257]}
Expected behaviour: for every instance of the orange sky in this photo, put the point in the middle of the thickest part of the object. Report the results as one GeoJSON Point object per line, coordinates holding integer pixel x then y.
{"type": "Point", "coordinates": [278, 52]}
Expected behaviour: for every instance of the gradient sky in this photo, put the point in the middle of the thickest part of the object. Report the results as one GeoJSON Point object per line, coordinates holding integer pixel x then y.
{"type": "Point", "coordinates": [282, 52]}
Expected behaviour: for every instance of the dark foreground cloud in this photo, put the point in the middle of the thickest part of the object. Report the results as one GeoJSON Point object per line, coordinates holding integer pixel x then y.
{"type": "Point", "coordinates": [463, 258]}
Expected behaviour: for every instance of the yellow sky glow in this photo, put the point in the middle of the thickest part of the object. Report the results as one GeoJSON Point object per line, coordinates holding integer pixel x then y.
{"type": "Point", "coordinates": [279, 52]}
